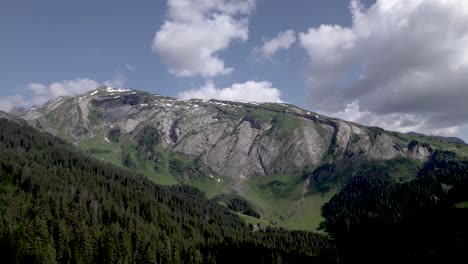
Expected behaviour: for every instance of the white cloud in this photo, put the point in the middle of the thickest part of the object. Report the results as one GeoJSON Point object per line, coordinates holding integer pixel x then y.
{"type": "Point", "coordinates": [283, 40]}
{"type": "Point", "coordinates": [196, 31]}
{"type": "Point", "coordinates": [38, 93]}
{"type": "Point", "coordinates": [9, 102]}
{"type": "Point", "coordinates": [402, 122]}
{"type": "Point", "coordinates": [129, 67]}
{"type": "Point", "coordinates": [399, 57]}
{"type": "Point", "coordinates": [68, 87]}
{"type": "Point", "coordinates": [250, 91]}
{"type": "Point", "coordinates": [118, 81]}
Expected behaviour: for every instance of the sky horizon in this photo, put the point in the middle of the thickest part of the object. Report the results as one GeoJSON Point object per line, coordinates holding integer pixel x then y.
{"type": "Point", "coordinates": [379, 63]}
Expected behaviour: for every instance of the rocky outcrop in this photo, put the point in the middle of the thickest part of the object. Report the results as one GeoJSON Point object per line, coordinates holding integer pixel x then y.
{"type": "Point", "coordinates": [239, 140]}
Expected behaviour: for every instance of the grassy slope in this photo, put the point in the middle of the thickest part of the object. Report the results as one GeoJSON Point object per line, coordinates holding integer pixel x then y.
{"type": "Point", "coordinates": [113, 152]}
{"type": "Point", "coordinates": [101, 149]}
{"type": "Point", "coordinates": [254, 221]}
{"type": "Point", "coordinates": [310, 217]}
{"type": "Point", "coordinates": [282, 206]}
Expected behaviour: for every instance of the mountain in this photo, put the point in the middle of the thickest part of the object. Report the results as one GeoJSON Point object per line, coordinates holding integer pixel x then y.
{"type": "Point", "coordinates": [59, 205]}
{"type": "Point", "coordinates": [286, 161]}
{"type": "Point", "coordinates": [232, 138]}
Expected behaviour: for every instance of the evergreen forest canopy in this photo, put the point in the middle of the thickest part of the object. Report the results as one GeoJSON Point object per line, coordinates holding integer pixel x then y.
{"type": "Point", "coordinates": [58, 205]}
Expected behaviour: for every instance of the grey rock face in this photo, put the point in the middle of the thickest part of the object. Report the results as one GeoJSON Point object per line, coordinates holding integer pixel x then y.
{"type": "Point", "coordinates": [239, 140]}
{"type": "Point", "coordinates": [11, 117]}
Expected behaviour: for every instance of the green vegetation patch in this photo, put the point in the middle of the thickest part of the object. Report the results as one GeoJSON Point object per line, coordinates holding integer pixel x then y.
{"type": "Point", "coordinates": [281, 201]}
{"type": "Point", "coordinates": [284, 126]}
{"type": "Point", "coordinates": [334, 175]}
{"type": "Point", "coordinates": [237, 204]}
{"type": "Point", "coordinates": [93, 115]}
{"type": "Point", "coordinates": [99, 147]}
{"type": "Point", "coordinates": [260, 115]}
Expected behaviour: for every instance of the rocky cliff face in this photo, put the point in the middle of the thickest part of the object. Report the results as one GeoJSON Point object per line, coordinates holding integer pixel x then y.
{"type": "Point", "coordinates": [238, 140]}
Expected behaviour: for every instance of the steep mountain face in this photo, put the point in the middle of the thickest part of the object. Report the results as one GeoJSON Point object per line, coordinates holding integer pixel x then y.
{"type": "Point", "coordinates": [234, 139]}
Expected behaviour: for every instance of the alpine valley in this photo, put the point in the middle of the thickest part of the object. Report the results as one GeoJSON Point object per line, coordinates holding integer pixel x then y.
{"type": "Point", "coordinates": [273, 165]}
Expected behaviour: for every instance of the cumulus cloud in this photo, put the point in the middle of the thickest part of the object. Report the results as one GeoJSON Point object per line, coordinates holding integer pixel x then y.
{"type": "Point", "coordinates": [68, 87]}
{"type": "Point", "coordinates": [403, 122]}
{"type": "Point", "coordinates": [38, 93]}
{"type": "Point", "coordinates": [398, 59]}
{"type": "Point", "coordinates": [196, 31]}
{"type": "Point", "coordinates": [118, 81]}
{"type": "Point", "coordinates": [250, 91]}
{"type": "Point", "coordinates": [9, 102]}
{"type": "Point", "coordinates": [283, 40]}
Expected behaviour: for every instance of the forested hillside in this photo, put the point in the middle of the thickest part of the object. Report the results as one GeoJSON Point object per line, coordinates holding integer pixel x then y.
{"type": "Point", "coordinates": [375, 219]}
{"type": "Point", "coordinates": [59, 206]}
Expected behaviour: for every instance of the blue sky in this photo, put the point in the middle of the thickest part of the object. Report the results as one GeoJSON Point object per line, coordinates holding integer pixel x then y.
{"type": "Point", "coordinates": [337, 60]}
{"type": "Point", "coordinates": [50, 41]}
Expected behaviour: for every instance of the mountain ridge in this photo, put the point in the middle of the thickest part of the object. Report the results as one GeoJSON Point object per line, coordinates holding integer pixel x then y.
{"type": "Point", "coordinates": [455, 140]}
{"type": "Point", "coordinates": [251, 138]}
{"type": "Point", "coordinates": [286, 161]}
